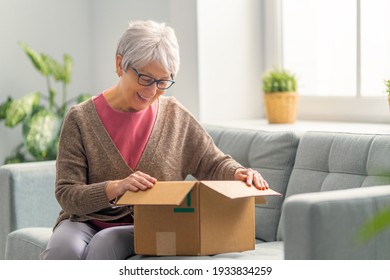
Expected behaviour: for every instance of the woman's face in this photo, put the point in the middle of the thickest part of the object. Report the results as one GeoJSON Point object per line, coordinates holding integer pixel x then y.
{"type": "Point", "coordinates": [137, 97]}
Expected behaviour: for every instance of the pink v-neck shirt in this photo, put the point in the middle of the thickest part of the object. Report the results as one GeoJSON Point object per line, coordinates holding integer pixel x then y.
{"type": "Point", "coordinates": [129, 131]}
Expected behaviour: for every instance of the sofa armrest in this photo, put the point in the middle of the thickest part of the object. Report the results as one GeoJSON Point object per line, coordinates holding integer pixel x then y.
{"type": "Point", "coordinates": [27, 197]}
{"type": "Point", "coordinates": [326, 225]}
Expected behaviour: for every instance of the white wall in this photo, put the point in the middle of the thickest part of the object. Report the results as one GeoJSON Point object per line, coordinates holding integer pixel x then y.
{"type": "Point", "coordinates": [229, 59]}
{"type": "Point", "coordinates": [183, 16]}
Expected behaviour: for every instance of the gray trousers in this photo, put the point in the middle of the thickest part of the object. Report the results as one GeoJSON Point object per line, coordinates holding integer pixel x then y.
{"type": "Point", "coordinates": [81, 241]}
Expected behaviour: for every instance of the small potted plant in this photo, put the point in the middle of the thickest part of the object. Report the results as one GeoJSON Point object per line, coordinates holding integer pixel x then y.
{"type": "Point", "coordinates": [387, 84]}
{"type": "Point", "coordinates": [280, 96]}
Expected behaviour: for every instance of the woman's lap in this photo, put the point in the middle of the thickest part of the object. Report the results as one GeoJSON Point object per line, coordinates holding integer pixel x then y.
{"type": "Point", "coordinates": [79, 240]}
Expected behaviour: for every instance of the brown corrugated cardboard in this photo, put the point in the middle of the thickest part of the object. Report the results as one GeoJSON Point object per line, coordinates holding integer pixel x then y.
{"type": "Point", "coordinates": [194, 217]}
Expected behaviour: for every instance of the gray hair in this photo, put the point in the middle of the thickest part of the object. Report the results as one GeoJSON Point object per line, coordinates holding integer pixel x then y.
{"type": "Point", "coordinates": [148, 41]}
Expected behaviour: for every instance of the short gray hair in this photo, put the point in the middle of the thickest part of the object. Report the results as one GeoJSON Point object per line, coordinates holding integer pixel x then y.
{"type": "Point", "coordinates": [148, 41]}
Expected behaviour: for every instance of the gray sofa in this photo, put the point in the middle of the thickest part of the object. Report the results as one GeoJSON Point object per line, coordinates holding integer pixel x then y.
{"type": "Point", "coordinates": [332, 183]}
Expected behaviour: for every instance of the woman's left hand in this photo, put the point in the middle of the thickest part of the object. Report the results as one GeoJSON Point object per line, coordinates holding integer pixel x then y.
{"type": "Point", "coordinates": [251, 177]}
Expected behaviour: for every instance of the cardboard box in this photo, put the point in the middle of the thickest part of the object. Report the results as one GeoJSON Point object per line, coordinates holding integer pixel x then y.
{"type": "Point", "coordinates": [194, 217]}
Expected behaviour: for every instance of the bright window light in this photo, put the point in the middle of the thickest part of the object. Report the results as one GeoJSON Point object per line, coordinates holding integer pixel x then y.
{"type": "Point", "coordinates": [337, 48]}
{"type": "Point", "coordinates": [375, 46]}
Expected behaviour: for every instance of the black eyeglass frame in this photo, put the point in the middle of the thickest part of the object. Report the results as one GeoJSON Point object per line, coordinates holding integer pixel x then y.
{"type": "Point", "coordinates": [153, 80]}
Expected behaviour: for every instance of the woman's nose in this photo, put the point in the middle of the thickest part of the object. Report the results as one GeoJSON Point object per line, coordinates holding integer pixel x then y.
{"type": "Point", "coordinates": [152, 88]}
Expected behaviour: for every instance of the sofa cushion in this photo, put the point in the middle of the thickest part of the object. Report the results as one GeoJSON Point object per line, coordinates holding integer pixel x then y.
{"type": "Point", "coordinates": [328, 161]}
{"type": "Point", "coordinates": [27, 243]}
{"type": "Point", "coordinates": [270, 153]}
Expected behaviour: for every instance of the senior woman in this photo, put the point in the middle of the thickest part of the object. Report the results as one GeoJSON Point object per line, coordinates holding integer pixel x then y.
{"type": "Point", "coordinates": [125, 139]}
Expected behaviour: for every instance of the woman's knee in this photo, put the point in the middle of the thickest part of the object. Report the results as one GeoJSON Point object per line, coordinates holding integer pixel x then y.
{"type": "Point", "coordinates": [112, 243]}
{"type": "Point", "coordinates": [64, 252]}
{"type": "Point", "coordinates": [68, 241]}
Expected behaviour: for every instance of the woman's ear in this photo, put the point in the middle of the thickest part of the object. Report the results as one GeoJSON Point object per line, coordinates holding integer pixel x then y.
{"type": "Point", "coordinates": [118, 65]}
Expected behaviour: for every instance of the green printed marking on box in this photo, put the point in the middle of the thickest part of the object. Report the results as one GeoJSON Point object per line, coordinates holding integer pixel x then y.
{"type": "Point", "coordinates": [185, 209]}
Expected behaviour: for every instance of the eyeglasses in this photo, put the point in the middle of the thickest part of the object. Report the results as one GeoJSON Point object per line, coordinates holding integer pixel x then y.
{"type": "Point", "coordinates": [145, 80]}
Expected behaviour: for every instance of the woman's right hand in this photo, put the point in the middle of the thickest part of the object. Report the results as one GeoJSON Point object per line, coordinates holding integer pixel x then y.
{"type": "Point", "coordinates": [134, 182]}
{"type": "Point", "coordinates": [137, 181]}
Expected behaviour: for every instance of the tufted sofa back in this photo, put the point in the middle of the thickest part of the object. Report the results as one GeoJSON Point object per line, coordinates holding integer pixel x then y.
{"type": "Point", "coordinates": [270, 153]}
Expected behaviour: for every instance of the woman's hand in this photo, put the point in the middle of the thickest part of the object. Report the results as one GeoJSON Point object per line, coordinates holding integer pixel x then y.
{"type": "Point", "coordinates": [137, 181]}
{"type": "Point", "coordinates": [251, 177]}
{"type": "Point", "coordinates": [134, 182]}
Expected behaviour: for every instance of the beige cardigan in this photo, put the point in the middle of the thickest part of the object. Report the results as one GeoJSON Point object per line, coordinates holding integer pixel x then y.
{"type": "Point", "coordinates": [87, 159]}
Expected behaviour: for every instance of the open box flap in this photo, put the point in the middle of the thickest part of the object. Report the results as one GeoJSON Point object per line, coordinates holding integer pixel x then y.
{"type": "Point", "coordinates": [237, 189]}
{"type": "Point", "coordinates": [162, 193]}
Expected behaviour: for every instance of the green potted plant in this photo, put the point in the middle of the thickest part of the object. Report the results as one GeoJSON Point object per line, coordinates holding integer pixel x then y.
{"type": "Point", "coordinates": [40, 115]}
{"type": "Point", "coordinates": [280, 95]}
{"type": "Point", "coordinates": [387, 84]}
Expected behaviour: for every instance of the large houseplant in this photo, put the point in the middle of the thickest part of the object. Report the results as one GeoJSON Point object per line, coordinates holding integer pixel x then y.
{"type": "Point", "coordinates": [280, 96]}
{"type": "Point", "coordinates": [40, 114]}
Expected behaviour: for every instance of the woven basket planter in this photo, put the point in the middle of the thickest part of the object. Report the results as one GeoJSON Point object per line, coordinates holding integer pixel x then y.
{"type": "Point", "coordinates": [281, 107]}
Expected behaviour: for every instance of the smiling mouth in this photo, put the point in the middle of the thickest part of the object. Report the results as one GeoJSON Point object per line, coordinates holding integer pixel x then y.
{"type": "Point", "coordinates": [143, 98]}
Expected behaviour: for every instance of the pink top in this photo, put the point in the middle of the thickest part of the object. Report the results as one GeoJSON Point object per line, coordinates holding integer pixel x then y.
{"type": "Point", "coordinates": [129, 131]}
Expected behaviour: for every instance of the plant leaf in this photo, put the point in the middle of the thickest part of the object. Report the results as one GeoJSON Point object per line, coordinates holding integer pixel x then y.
{"type": "Point", "coordinates": [41, 133]}
{"type": "Point", "coordinates": [375, 225]}
{"type": "Point", "coordinates": [387, 84]}
{"type": "Point", "coordinates": [4, 107]}
{"type": "Point", "coordinates": [20, 108]}
{"type": "Point", "coordinates": [279, 80]}
{"type": "Point", "coordinates": [52, 94]}
{"type": "Point", "coordinates": [67, 68]}
{"type": "Point", "coordinates": [55, 68]}
{"type": "Point", "coordinates": [37, 59]}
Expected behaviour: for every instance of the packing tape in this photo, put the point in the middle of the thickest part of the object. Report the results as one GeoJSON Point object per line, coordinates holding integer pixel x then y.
{"type": "Point", "coordinates": [166, 243]}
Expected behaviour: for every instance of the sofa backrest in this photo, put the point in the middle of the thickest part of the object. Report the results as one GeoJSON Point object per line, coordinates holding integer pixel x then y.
{"type": "Point", "coordinates": [333, 161]}
{"type": "Point", "coordinates": [270, 153]}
